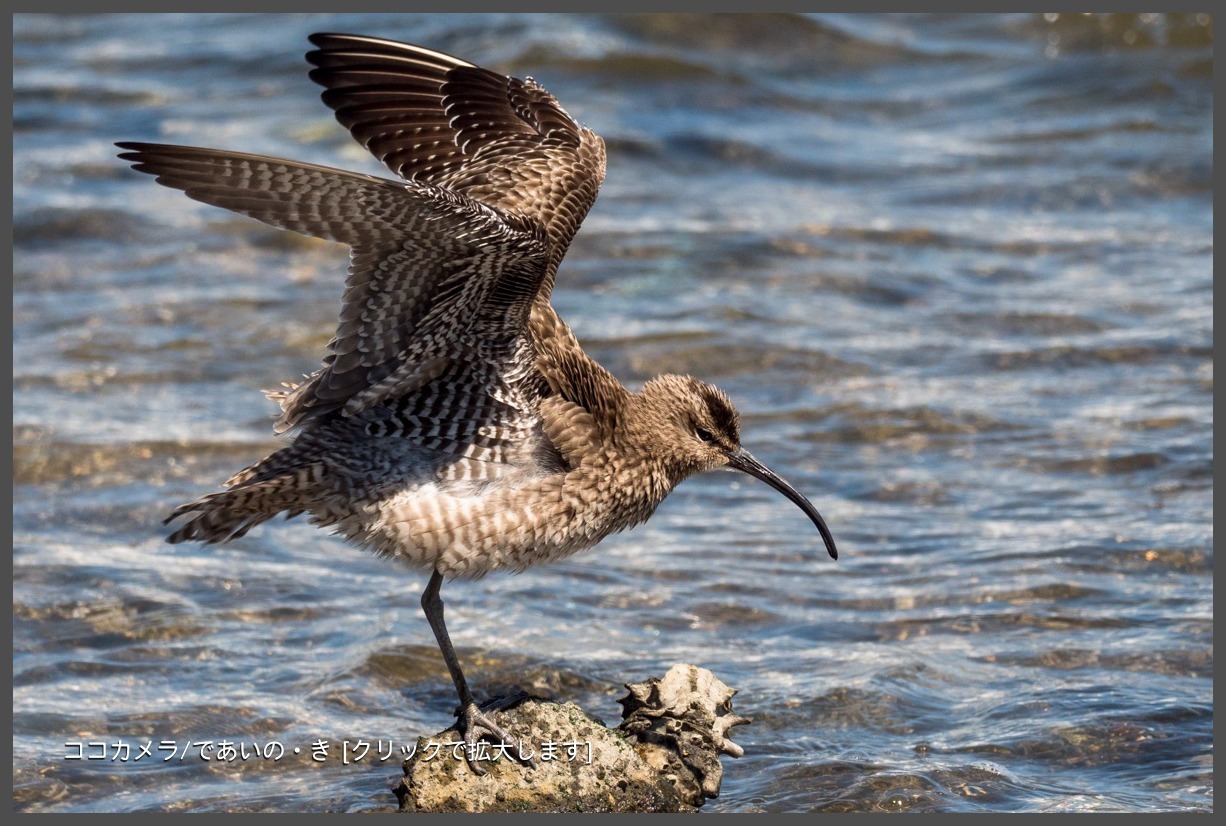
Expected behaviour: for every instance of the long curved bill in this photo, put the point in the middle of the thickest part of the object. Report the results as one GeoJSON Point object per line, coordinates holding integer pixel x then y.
{"type": "Point", "coordinates": [742, 460]}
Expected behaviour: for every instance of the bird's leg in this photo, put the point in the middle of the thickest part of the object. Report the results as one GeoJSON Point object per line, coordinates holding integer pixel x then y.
{"type": "Point", "coordinates": [472, 719]}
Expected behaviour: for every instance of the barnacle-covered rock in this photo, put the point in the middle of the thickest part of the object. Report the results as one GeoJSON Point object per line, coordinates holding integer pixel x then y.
{"type": "Point", "coordinates": [690, 712]}
{"type": "Point", "coordinates": [663, 758]}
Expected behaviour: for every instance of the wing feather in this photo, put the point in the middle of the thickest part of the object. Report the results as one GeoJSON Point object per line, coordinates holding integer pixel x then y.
{"type": "Point", "coordinates": [430, 270]}
{"type": "Point", "coordinates": [432, 117]}
{"type": "Point", "coordinates": [445, 333]}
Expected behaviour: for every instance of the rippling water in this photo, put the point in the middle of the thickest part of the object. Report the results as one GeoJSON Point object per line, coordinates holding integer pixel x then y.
{"type": "Point", "coordinates": [955, 270]}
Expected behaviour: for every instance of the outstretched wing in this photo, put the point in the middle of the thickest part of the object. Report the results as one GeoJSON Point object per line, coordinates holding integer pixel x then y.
{"type": "Point", "coordinates": [433, 272]}
{"type": "Point", "coordinates": [433, 118]}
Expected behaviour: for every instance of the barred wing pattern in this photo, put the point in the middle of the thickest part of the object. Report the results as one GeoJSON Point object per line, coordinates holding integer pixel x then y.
{"type": "Point", "coordinates": [436, 278]}
{"type": "Point", "coordinates": [446, 334]}
{"type": "Point", "coordinates": [431, 117]}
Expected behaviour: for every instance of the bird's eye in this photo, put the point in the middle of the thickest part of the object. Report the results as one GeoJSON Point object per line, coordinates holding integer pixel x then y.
{"type": "Point", "coordinates": [705, 435]}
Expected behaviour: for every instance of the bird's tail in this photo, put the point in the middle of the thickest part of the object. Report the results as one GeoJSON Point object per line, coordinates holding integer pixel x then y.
{"type": "Point", "coordinates": [255, 495]}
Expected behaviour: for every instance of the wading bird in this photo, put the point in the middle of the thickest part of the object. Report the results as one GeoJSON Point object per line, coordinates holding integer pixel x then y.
{"type": "Point", "coordinates": [455, 425]}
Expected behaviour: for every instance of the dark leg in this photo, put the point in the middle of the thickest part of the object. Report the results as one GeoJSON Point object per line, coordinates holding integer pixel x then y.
{"type": "Point", "coordinates": [473, 721]}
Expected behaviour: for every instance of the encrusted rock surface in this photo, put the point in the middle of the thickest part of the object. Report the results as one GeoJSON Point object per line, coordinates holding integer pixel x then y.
{"type": "Point", "coordinates": [663, 758]}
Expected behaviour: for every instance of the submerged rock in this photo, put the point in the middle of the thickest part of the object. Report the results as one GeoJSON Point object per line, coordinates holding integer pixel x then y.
{"type": "Point", "coordinates": [664, 757]}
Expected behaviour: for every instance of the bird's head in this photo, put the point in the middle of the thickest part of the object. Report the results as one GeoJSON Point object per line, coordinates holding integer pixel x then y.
{"type": "Point", "coordinates": [693, 427]}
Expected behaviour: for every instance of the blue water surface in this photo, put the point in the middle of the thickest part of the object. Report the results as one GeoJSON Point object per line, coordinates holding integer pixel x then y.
{"type": "Point", "coordinates": [955, 270]}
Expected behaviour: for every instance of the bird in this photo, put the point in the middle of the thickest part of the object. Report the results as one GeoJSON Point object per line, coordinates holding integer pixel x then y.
{"type": "Point", "coordinates": [455, 423]}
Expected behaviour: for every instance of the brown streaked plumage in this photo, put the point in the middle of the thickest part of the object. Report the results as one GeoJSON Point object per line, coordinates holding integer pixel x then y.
{"type": "Point", "coordinates": [455, 424]}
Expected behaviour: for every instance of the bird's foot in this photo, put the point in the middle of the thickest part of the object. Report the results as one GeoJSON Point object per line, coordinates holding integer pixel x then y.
{"type": "Point", "coordinates": [479, 721]}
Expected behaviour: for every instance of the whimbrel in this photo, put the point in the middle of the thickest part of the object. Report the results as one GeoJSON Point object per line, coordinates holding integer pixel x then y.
{"type": "Point", "coordinates": [455, 423]}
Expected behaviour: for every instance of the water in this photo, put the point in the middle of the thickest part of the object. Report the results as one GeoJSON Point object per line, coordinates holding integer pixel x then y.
{"type": "Point", "coordinates": [956, 272]}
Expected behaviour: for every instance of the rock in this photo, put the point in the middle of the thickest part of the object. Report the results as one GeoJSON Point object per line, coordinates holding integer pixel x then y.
{"type": "Point", "coordinates": [689, 713]}
{"type": "Point", "coordinates": [663, 758]}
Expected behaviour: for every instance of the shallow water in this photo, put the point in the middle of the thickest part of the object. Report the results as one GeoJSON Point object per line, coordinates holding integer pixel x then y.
{"type": "Point", "coordinates": [955, 271]}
